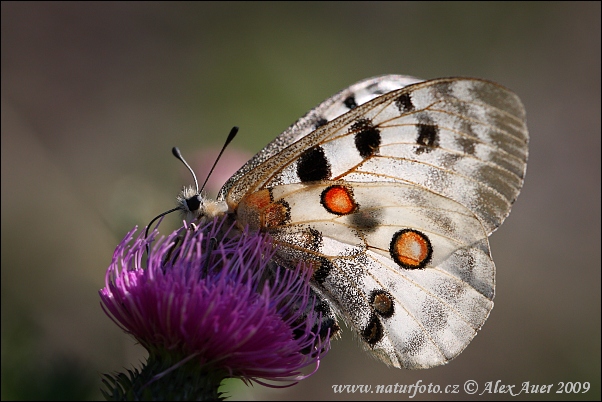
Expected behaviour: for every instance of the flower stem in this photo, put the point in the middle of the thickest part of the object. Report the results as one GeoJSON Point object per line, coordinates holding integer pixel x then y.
{"type": "Point", "coordinates": [163, 379]}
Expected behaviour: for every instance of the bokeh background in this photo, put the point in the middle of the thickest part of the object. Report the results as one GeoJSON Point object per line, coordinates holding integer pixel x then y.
{"type": "Point", "coordinates": [94, 96]}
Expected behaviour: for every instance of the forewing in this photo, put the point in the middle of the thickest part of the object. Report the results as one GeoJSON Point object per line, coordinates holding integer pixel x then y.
{"type": "Point", "coordinates": [333, 107]}
{"type": "Point", "coordinates": [465, 139]}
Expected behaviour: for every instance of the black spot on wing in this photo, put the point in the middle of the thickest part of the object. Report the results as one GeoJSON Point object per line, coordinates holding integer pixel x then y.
{"type": "Point", "coordinates": [367, 137]}
{"type": "Point", "coordinates": [325, 323]}
{"type": "Point", "coordinates": [375, 89]}
{"type": "Point", "coordinates": [271, 194]}
{"type": "Point", "coordinates": [320, 122]}
{"type": "Point", "coordinates": [404, 103]}
{"type": "Point", "coordinates": [373, 332]}
{"type": "Point", "coordinates": [350, 102]}
{"type": "Point", "coordinates": [313, 165]}
{"type": "Point", "coordinates": [428, 137]}
{"type": "Point", "coordinates": [322, 270]}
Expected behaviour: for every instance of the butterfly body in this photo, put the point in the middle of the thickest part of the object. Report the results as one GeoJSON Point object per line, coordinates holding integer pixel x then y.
{"type": "Point", "coordinates": [389, 190]}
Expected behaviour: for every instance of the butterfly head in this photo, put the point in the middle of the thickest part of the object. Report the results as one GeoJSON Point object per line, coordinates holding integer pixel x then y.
{"type": "Point", "coordinates": [190, 203]}
{"type": "Point", "coordinates": [195, 206]}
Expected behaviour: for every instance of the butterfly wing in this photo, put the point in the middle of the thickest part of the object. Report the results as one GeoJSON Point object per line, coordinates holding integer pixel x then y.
{"type": "Point", "coordinates": [465, 139]}
{"type": "Point", "coordinates": [410, 270]}
{"type": "Point", "coordinates": [333, 107]}
{"type": "Point", "coordinates": [392, 202]}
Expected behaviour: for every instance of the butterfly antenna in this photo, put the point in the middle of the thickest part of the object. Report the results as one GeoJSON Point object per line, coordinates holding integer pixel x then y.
{"type": "Point", "coordinates": [176, 152]}
{"type": "Point", "coordinates": [231, 136]}
{"type": "Point", "coordinates": [157, 217]}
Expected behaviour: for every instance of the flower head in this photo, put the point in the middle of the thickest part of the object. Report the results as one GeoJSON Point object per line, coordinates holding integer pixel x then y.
{"type": "Point", "coordinates": [212, 299]}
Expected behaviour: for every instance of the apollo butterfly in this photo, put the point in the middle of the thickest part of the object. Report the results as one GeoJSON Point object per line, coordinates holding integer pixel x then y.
{"type": "Point", "coordinates": [390, 189]}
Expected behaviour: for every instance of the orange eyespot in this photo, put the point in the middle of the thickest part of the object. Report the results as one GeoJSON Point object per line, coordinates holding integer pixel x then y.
{"type": "Point", "coordinates": [338, 200]}
{"type": "Point", "coordinates": [411, 249]}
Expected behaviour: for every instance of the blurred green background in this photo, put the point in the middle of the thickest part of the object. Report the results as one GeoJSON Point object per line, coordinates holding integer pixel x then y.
{"type": "Point", "coordinates": [94, 95]}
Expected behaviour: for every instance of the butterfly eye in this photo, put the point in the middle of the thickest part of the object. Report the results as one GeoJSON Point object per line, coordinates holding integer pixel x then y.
{"type": "Point", "coordinates": [194, 203]}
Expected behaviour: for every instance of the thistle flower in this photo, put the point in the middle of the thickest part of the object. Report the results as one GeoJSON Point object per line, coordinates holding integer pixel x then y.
{"type": "Point", "coordinates": [208, 309]}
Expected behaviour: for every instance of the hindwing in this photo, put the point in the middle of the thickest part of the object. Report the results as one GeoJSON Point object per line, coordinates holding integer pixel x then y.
{"type": "Point", "coordinates": [410, 270]}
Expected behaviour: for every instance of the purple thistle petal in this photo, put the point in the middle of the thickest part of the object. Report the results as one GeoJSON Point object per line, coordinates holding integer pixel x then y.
{"type": "Point", "coordinates": [227, 309]}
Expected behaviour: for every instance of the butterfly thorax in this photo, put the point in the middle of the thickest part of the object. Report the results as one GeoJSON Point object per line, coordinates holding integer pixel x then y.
{"type": "Point", "coordinates": [259, 211]}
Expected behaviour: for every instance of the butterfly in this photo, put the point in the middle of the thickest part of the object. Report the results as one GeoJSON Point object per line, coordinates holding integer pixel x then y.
{"type": "Point", "coordinates": [390, 189]}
